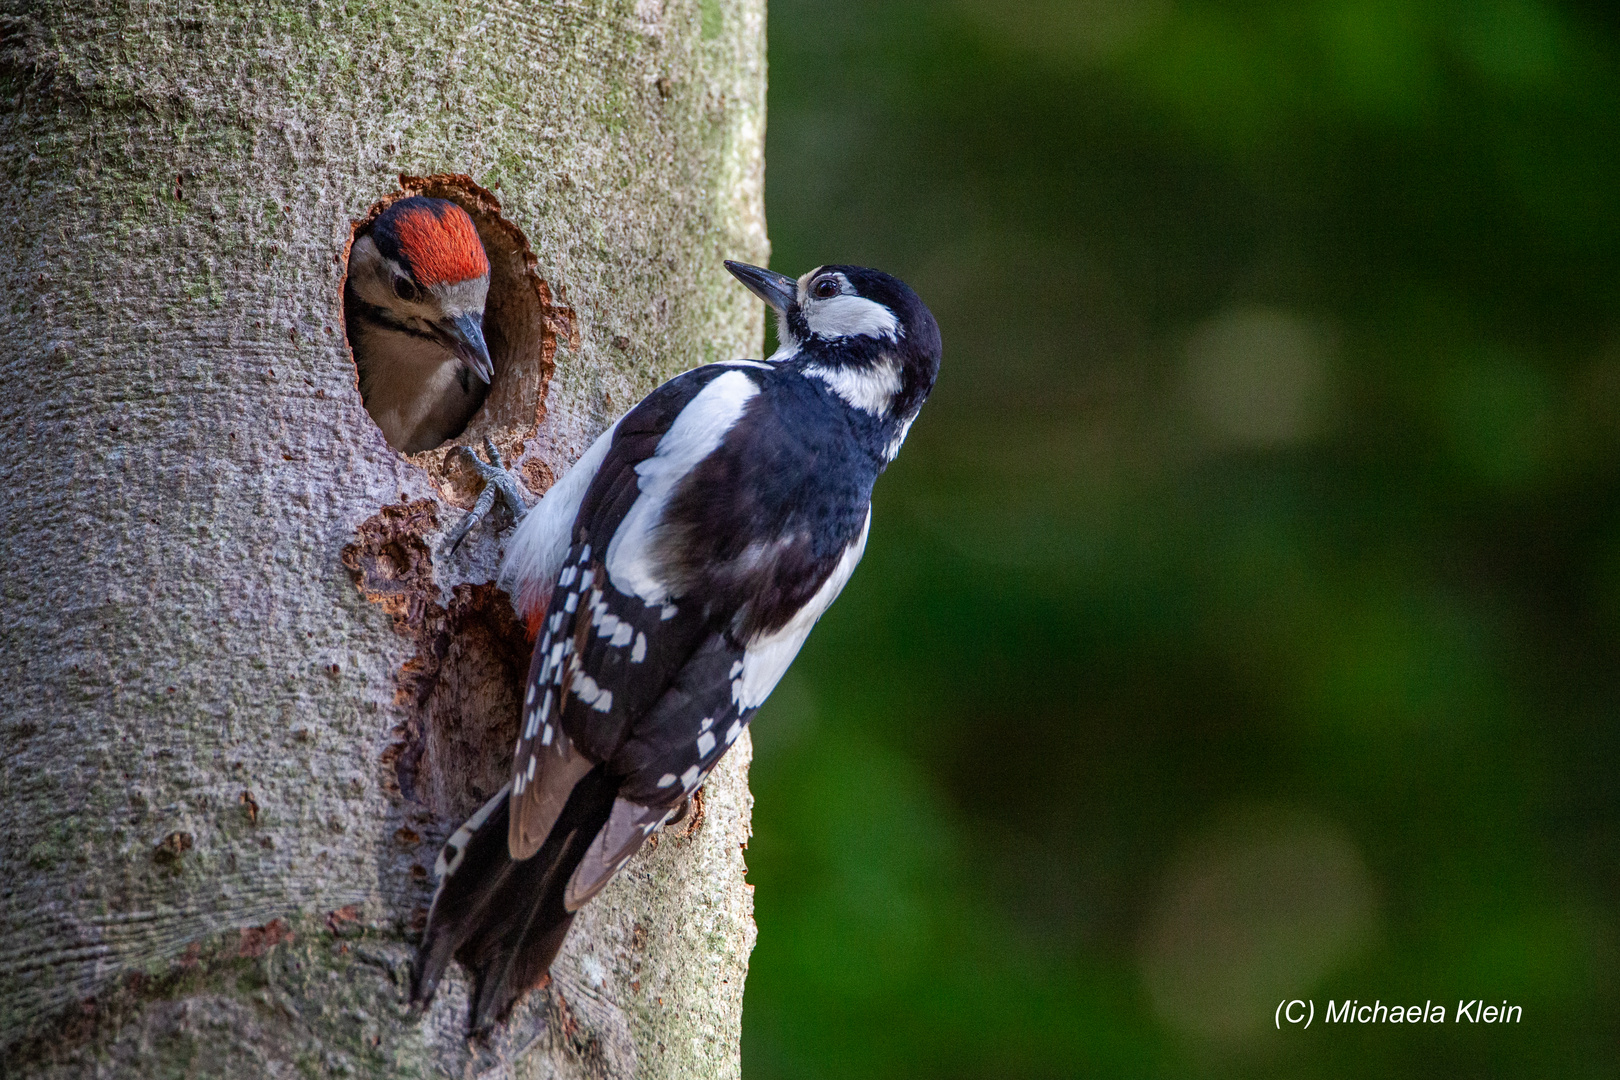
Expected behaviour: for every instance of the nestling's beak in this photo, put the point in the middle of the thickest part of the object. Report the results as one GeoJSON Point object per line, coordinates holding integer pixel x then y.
{"type": "Point", "coordinates": [777, 290]}
{"type": "Point", "coordinates": [466, 334]}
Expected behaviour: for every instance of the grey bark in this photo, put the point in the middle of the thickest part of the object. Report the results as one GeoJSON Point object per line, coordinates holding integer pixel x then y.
{"type": "Point", "coordinates": [245, 694]}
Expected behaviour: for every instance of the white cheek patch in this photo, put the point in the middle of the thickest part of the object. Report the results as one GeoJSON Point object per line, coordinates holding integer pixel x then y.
{"type": "Point", "coordinates": [693, 436]}
{"type": "Point", "coordinates": [870, 389]}
{"type": "Point", "coordinates": [850, 316]}
{"type": "Point", "coordinates": [369, 273]}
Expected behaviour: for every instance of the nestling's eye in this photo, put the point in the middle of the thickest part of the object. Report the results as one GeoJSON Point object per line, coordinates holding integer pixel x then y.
{"type": "Point", "coordinates": [406, 290]}
{"type": "Point", "coordinates": [821, 288]}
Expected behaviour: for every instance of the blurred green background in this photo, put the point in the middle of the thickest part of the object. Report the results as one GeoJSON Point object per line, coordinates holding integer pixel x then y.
{"type": "Point", "coordinates": [1241, 620]}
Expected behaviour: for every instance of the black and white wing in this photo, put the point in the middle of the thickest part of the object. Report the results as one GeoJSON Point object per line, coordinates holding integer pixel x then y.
{"type": "Point", "coordinates": [604, 655]}
{"type": "Point", "coordinates": [702, 544]}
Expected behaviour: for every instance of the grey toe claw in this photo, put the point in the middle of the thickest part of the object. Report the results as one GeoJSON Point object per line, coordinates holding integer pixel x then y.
{"type": "Point", "coordinates": [498, 483]}
{"type": "Point", "coordinates": [680, 812]}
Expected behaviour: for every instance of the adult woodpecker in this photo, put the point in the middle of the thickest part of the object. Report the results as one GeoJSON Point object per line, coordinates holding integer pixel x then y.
{"type": "Point", "coordinates": [414, 307]}
{"type": "Point", "coordinates": [673, 574]}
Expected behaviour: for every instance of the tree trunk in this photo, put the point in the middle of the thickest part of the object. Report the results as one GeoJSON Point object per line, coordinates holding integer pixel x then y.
{"type": "Point", "coordinates": [246, 692]}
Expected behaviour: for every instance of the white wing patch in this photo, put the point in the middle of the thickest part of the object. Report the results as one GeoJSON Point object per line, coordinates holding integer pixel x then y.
{"type": "Point", "coordinates": [691, 438]}
{"type": "Point", "coordinates": [540, 544]}
{"type": "Point", "coordinates": [584, 687]}
{"type": "Point", "coordinates": [870, 389]}
{"type": "Point", "coordinates": [766, 658]}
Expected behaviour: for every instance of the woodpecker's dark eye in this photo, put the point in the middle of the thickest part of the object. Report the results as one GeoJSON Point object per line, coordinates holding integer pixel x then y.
{"type": "Point", "coordinates": [821, 288]}
{"type": "Point", "coordinates": [406, 290]}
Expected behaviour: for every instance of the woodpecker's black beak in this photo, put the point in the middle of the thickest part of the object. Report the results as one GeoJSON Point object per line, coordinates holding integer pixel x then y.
{"type": "Point", "coordinates": [777, 290]}
{"type": "Point", "coordinates": [466, 334]}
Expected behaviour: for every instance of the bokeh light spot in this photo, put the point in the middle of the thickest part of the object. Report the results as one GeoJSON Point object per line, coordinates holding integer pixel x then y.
{"type": "Point", "coordinates": [1259, 376]}
{"type": "Point", "coordinates": [1261, 908]}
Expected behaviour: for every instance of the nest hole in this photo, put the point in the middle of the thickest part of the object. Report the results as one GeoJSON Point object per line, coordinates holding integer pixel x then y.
{"type": "Point", "coordinates": [460, 691]}
{"type": "Point", "coordinates": [522, 322]}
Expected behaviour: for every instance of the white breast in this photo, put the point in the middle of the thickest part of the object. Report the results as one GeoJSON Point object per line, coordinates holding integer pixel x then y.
{"type": "Point", "coordinates": [406, 380]}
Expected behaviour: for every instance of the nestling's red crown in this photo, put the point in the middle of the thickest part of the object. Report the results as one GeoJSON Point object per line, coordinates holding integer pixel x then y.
{"type": "Point", "coordinates": [433, 238]}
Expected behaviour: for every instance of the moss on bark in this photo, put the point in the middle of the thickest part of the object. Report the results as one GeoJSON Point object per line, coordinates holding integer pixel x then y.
{"type": "Point", "coordinates": [183, 652]}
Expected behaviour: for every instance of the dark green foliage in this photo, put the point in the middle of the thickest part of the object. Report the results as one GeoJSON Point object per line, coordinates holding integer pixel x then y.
{"type": "Point", "coordinates": [1242, 620]}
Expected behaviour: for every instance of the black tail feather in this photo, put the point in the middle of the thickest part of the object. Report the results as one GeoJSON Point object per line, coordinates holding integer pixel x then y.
{"type": "Point", "coordinates": [504, 920]}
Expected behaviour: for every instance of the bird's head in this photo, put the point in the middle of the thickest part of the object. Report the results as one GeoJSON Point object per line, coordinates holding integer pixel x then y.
{"type": "Point", "coordinates": [423, 268]}
{"type": "Point", "coordinates": [868, 329]}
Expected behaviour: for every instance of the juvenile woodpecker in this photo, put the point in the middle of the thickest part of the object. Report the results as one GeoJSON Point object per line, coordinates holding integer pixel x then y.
{"type": "Point", "coordinates": [414, 308]}
{"type": "Point", "coordinates": [673, 573]}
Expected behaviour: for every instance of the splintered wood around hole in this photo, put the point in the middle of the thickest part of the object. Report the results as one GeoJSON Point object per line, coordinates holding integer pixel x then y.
{"type": "Point", "coordinates": [461, 689]}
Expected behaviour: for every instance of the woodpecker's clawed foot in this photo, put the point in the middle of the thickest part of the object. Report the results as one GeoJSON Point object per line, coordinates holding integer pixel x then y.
{"type": "Point", "coordinates": [498, 484]}
{"type": "Point", "coordinates": [680, 812]}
